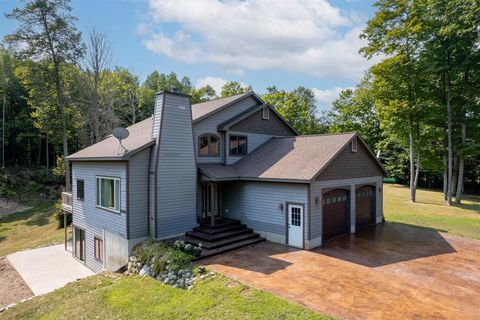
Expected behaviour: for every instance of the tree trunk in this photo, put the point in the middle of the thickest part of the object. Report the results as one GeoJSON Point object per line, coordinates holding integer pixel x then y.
{"type": "Point", "coordinates": [132, 103]}
{"type": "Point", "coordinates": [445, 177]}
{"type": "Point", "coordinates": [412, 168]}
{"type": "Point", "coordinates": [39, 149]}
{"type": "Point", "coordinates": [47, 160]}
{"type": "Point", "coordinates": [461, 167]}
{"type": "Point", "coordinates": [96, 106]}
{"type": "Point", "coordinates": [449, 143]}
{"type": "Point", "coordinates": [417, 173]}
{"type": "Point", "coordinates": [61, 104]}
{"type": "Point", "coordinates": [454, 174]}
{"type": "Point", "coordinates": [3, 121]}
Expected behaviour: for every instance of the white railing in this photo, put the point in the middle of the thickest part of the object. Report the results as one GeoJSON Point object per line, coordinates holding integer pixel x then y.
{"type": "Point", "coordinates": [67, 201]}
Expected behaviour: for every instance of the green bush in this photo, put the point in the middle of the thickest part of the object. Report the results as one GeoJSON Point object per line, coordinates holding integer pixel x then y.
{"type": "Point", "coordinates": [159, 252]}
{"type": "Point", "coordinates": [60, 216]}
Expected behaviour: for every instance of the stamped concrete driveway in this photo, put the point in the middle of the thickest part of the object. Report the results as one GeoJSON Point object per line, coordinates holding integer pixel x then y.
{"type": "Point", "coordinates": [47, 269]}
{"type": "Point", "coordinates": [391, 271]}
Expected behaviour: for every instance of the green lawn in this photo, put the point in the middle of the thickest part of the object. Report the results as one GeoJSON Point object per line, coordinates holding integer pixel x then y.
{"type": "Point", "coordinates": [111, 296]}
{"type": "Point", "coordinates": [32, 228]}
{"type": "Point", "coordinates": [430, 211]}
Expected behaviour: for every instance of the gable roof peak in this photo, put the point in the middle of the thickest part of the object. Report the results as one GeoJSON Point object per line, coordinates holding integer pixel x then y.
{"type": "Point", "coordinates": [207, 108]}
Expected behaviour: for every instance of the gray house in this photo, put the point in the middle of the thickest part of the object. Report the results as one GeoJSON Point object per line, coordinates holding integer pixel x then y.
{"type": "Point", "coordinates": [224, 173]}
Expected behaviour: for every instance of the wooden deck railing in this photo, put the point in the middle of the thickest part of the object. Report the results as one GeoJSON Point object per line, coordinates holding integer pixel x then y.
{"type": "Point", "coordinates": [67, 201]}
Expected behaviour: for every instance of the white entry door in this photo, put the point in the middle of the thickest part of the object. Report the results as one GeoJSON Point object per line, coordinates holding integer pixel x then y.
{"type": "Point", "coordinates": [295, 225]}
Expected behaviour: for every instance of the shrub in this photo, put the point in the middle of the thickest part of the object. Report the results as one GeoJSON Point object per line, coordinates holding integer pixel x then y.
{"type": "Point", "coordinates": [60, 216]}
{"type": "Point", "coordinates": [158, 253]}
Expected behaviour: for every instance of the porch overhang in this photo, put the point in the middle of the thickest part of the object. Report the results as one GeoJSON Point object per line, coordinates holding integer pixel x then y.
{"type": "Point", "coordinates": [221, 173]}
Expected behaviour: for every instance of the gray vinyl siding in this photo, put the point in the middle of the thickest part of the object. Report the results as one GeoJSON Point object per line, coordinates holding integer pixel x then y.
{"type": "Point", "coordinates": [210, 125]}
{"type": "Point", "coordinates": [254, 140]}
{"type": "Point", "coordinates": [256, 124]}
{"type": "Point", "coordinates": [349, 165]}
{"type": "Point", "coordinates": [315, 211]}
{"type": "Point", "coordinates": [87, 216]}
{"type": "Point", "coordinates": [257, 204]}
{"type": "Point", "coordinates": [177, 172]}
{"type": "Point", "coordinates": [138, 195]}
{"type": "Point", "coordinates": [157, 117]}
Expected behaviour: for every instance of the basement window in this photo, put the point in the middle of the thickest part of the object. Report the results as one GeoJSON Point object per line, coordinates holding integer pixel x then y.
{"type": "Point", "coordinates": [108, 193]}
{"type": "Point", "coordinates": [266, 113]}
{"type": "Point", "coordinates": [98, 248]}
{"type": "Point", "coordinates": [353, 145]}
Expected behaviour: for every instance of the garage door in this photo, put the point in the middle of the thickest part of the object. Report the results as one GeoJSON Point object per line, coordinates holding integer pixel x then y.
{"type": "Point", "coordinates": [336, 217]}
{"type": "Point", "coordinates": [365, 207]}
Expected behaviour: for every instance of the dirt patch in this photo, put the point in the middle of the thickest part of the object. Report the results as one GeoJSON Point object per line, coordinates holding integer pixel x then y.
{"type": "Point", "coordinates": [10, 206]}
{"type": "Point", "coordinates": [232, 284]}
{"type": "Point", "coordinates": [12, 287]}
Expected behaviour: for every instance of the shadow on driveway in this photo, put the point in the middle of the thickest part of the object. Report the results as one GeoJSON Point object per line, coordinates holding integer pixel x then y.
{"type": "Point", "coordinates": [391, 271]}
{"type": "Point", "coordinates": [386, 244]}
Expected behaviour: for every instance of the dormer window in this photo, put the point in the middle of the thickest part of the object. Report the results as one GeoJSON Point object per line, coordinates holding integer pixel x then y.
{"type": "Point", "coordinates": [238, 146]}
{"type": "Point", "coordinates": [208, 145]}
{"type": "Point", "coordinates": [353, 145]}
{"type": "Point", "coordinates": [266, 113]}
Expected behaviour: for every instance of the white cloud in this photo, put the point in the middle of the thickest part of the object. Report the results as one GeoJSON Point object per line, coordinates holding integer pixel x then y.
{"type": "Point", "coordinates": [304, 36]}
{"type": "Point", "coordinates": [325, 97]}
{"type": "Point", "coordinates": [215, 83]}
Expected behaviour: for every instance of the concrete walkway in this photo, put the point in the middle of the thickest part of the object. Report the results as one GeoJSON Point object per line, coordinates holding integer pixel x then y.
{"type": "Point", "coordinates": [47, 269]}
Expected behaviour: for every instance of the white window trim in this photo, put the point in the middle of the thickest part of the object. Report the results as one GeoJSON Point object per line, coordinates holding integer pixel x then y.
{"type": "Point", "coordinates": [267, 115]}
{"type": "Point", "coordinates": [354, 145]}
{"type": "Point", "coordinates": [114, 192]}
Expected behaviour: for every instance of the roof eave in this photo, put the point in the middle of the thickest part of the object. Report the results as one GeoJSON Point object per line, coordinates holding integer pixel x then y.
{"type": "Point", "coordinates": [260, 179]}
{"type": "Point", "coordinates": [124, 157]}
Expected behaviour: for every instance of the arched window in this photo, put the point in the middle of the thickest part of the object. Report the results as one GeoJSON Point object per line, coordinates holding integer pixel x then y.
{"type": "Point", "coordinates": [208, 145]}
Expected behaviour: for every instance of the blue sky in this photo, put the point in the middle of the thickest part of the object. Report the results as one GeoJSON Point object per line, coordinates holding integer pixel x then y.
{"type": "Point", "coordinates": [286, 43]}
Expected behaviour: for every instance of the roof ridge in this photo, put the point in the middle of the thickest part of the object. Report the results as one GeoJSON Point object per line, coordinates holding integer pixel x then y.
{"type": "Point", "coordinates": [233, 95]}
{"type": "Point", "coordinates": [316, 135]}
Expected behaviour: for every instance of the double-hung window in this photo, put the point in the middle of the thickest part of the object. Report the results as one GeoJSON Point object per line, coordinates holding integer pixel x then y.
{"type": "Point", "coordinates": [238, 146]}
{"type": "Point", "coordinates": [208, 146]}
{"type": "Point", "coordinates": [108, 193]}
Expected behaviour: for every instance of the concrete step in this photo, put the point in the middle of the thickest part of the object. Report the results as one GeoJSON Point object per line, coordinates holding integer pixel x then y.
{"type": "Point", "coordinates": [219, 222]}
{"type": "Point", "coordinates": [205, 236]}
{"type": "Point", "coordinates": [216, 230]}
{"type": "Point", "coordinates": [230, 247]}
{"type": "Point", "coordinates": [209, 245]}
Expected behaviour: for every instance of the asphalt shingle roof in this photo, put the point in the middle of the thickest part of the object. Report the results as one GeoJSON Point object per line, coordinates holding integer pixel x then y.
{"type": "Point", "coordinates": [108, 149]}
{"type": "Point", "coordinates": [297, 158]}
{"type": "Point", "coordinates": [200, 110]}
{"type": "Point", "coordinates": [141, 133]}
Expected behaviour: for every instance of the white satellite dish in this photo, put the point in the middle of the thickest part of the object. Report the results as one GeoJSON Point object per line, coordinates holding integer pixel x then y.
{"type": "Point", "coordinates": [120, 134]}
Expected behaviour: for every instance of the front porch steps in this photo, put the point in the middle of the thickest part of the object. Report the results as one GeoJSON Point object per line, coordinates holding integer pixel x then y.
{"type": "Point", "coordinates": [225, 235]}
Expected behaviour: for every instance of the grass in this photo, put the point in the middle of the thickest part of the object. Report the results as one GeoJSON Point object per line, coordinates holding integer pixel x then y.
{"type": "Point", "coordinates": [430, 211]}
{"type": "Point", "coordinates": [32, 228]}
{"type": "Point", "coordinates": [112, 296]}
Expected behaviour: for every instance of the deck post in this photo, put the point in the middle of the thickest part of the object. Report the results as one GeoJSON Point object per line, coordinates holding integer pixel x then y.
{"type": "Point", "coordinates": [65, 228]}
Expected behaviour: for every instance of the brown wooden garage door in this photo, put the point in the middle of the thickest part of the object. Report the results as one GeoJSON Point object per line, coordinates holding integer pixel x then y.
{"type": "Point", "coordinates": [365, 207]}
{"type": "Point", "coordinates": [336, 217]}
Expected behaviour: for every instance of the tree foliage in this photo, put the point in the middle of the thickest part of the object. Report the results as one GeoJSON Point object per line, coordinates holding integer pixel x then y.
{"type": "Point", "coordinates": [297, 107]}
